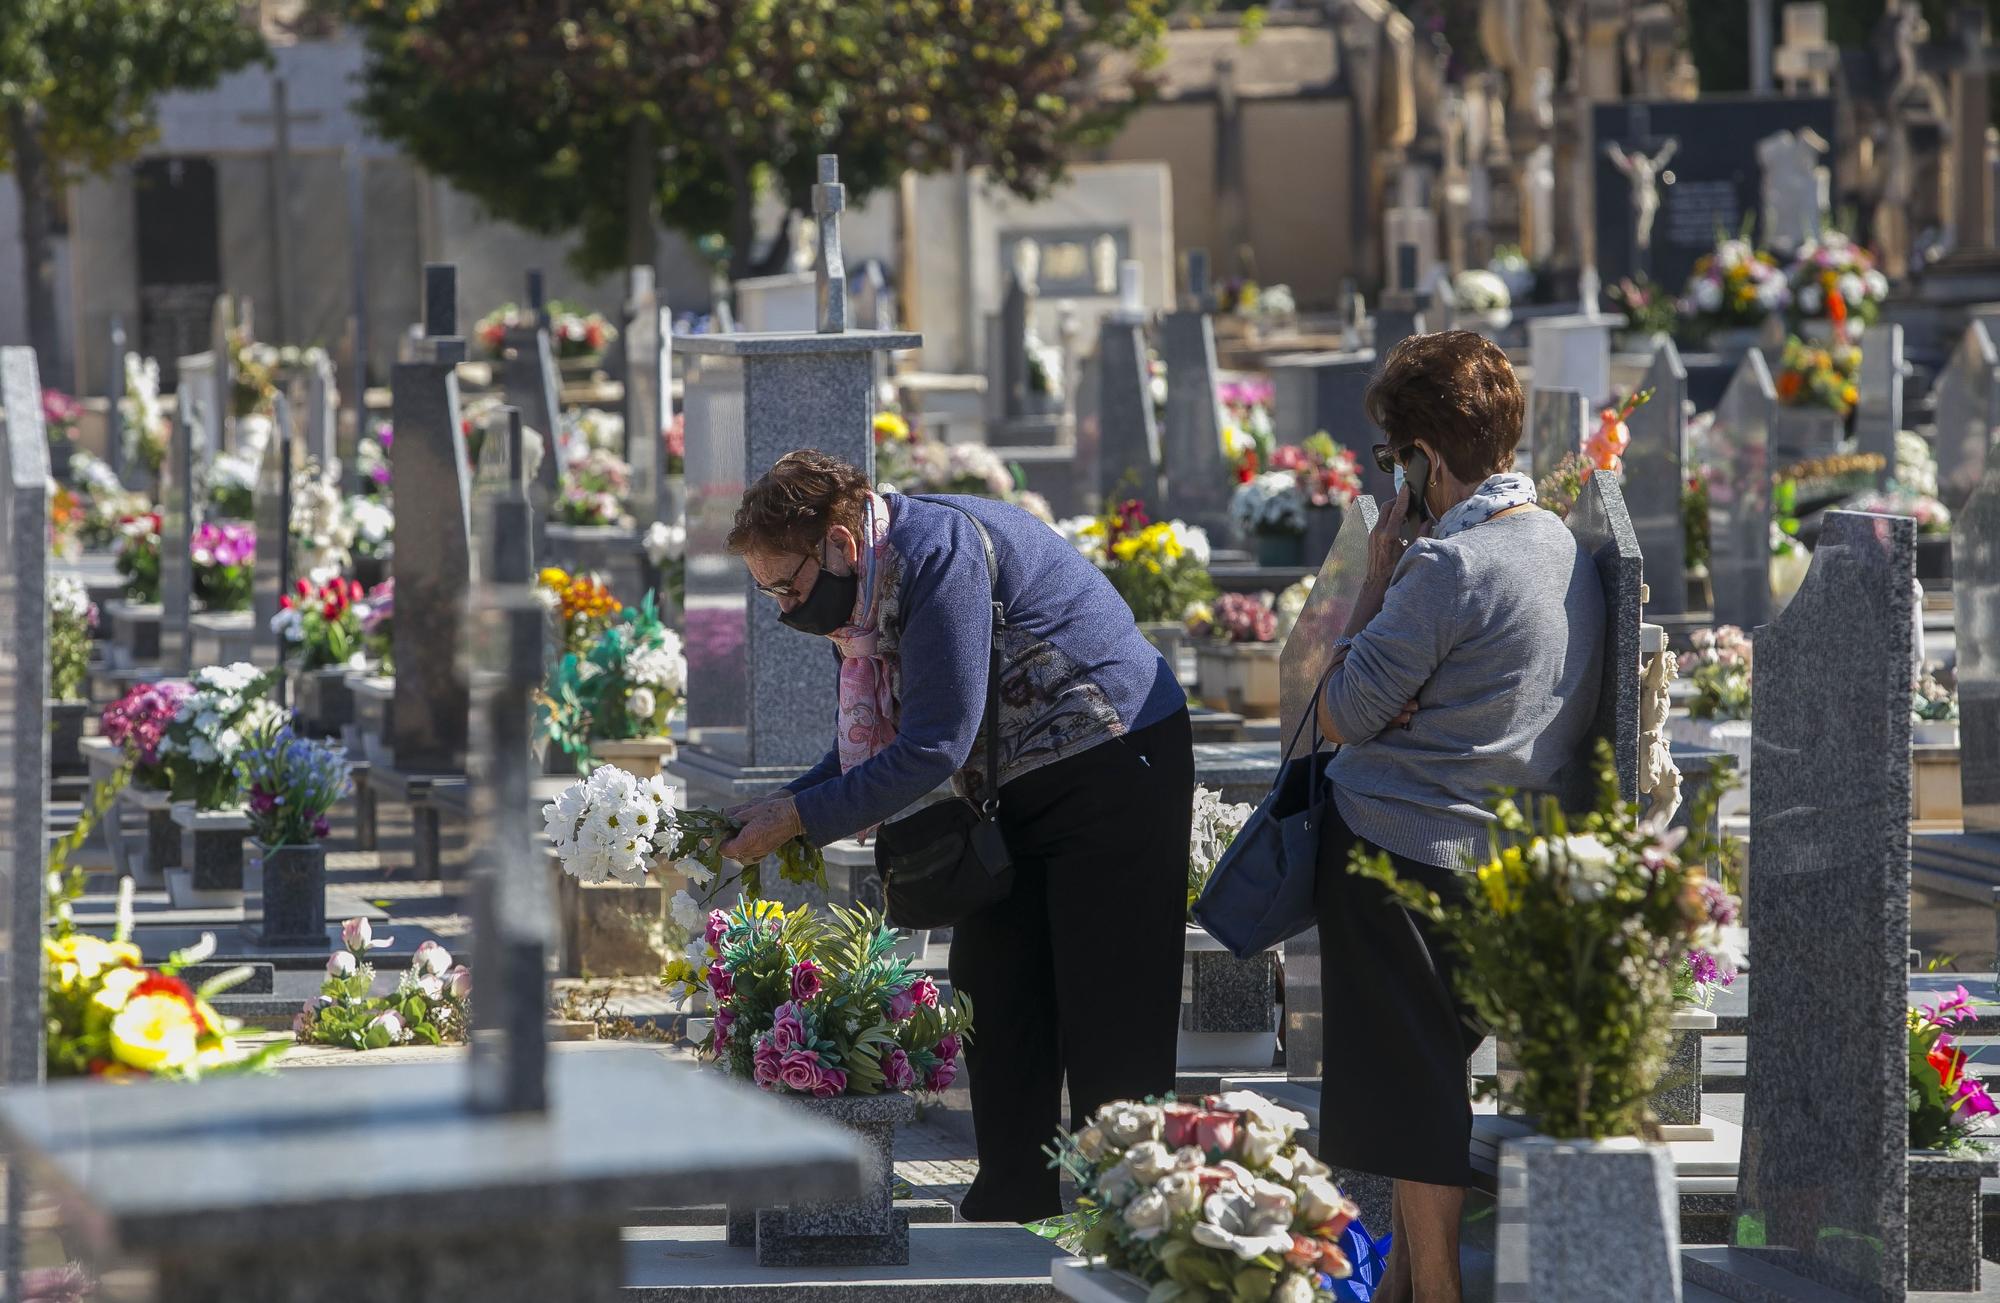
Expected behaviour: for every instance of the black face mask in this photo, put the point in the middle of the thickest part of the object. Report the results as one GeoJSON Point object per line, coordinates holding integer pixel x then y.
{"type": "Point", "coordinates": [829, 606]}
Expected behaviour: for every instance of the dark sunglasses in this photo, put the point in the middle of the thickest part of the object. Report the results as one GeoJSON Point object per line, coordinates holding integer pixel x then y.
{"type": "Point", "coordinates": [1386, 458]}
{"type": "Point", "coordinates": [783, 588]}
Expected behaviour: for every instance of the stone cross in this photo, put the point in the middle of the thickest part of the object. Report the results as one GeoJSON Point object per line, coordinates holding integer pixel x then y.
{"type": "Point", "coordinates": [194, 419]}
{"type": "Point", "coordinates": [1968, 412]}
{"type": "Point", "coordinates": [829, 200]}
{"type": "Point", "coordinates": [1879, 413]}
{"type": "Point", "coordinates": [1017, 308]}
{"type": "Point", "coordinates": [24, 745]}
{"type": "Point", "coordinates": [1829, 909]}
{"type": "Point", "coordinates": [432, 560]}
{"type": "Point", "coordinates": [1656, 478]}
{"type": "Point", "coordinates": [1558, 419]}
{"type": "Point", "coordinates": [1806, 60]}
{"type": "Point", "coordinates": [512, 928]}
{"type": "Point", "coordinates": [1739, 496]}
{"type": "Point", "coordinates": [271, 577]}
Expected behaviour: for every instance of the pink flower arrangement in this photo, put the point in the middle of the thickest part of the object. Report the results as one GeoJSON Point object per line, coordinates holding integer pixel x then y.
{"type": "Point", "coordinates": [823, 1008]}
{"type": "Point", "coordinates": [60, 412]}
{"type": "Point", "coordinates": [224, 543]}
{"type": "Point", "coordinates": [1239, 617]}
{"type": "Point", "coordinates": [137, 722]}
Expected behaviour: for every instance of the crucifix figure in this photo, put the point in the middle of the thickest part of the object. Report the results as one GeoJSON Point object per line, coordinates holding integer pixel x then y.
{"type": "Point", "coordinates": [1645, 174]}
{"type": "Point", "coordinates": [829, 198]}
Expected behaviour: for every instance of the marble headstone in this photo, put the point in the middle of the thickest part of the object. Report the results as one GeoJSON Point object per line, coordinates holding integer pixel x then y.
{"type": "Point", "coordinates": [1128, 433]}
{"type": "Point", "coordinates": [1879, 413]}
{"type": "Point", "coordinates": [24, 740]}
{"type": "Point", "coordinates": [1739, 496]}
{"type": "Point", "coordinates": [1199, 482]}
{"type": "Point", "coordinates": [1557, 421]}
{"type": "Point", "coordinates": [193, 435]}
{"type": "Point", "coordinates": [1300, 665]}
{"type": "Point", "coordinates": [1656, 478]}
{"type": "Point", "coordinates": [1968, 411]}
{"type": "Point", "coordinates": [1603, 528]}
{"type": "Point", "coordinates": [1829, 911]}
{"type": "Point", "coordinates": [432, 560]}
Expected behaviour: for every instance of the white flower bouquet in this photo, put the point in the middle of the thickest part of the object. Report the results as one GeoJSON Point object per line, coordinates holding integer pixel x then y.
{"type": "Point", "coordinates": [1212, 1201]}
{"type": "Point", "coordinates": [1269, 503]}
{"type": "Point", "coordinates": [213, 726]}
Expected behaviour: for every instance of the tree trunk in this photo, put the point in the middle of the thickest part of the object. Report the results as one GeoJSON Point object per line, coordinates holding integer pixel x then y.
{"type": "Point", "coordinates": [38, 259]}
{"type": "Point", "coordinates": [642, 192]}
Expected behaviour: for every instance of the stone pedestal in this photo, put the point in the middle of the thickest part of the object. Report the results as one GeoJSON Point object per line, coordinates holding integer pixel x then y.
{"type": "Point", "coordinates": [163, 836]}
{"type": "Point", "coordinates": [66, 737]}
{"type": "Point", "coordinates": [135, 633]}
{"type": "Point", "coordinates": [222, 637]}
{"type": "Point", "coordinates": [322, 701]}
{"type": "Point", "coordinates": [211, 851]}
{"type": "Point", "coordinates": [374, 716]}
{"type": "Point", "coordinates": [862, 1232]}
{"type": "Point", "coordinates": [1229, 1007]}
{"type": "Point", "coordinates": [284, 894]}
{"type": "Point", "coordinates": [603, 929]}
{"type": "Point", "coordinates": [642, 757]}
{"type": "Point", "coordinates": [1239, 677]}
{"type": "Point", "coordinates": [1945, 1219]}
{"type": "Point", "coordinates": [420, 792]}
{"type": "Point", "coordinates": [1575, 1214]}
{"type": "Point", "coordinates": [1676, 1101]}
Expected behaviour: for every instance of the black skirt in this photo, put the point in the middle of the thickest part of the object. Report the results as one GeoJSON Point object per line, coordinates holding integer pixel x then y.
{"type": "Point", "coordinates": [1397, 1104]}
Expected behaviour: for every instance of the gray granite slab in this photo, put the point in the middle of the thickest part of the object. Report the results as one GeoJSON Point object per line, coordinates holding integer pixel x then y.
{"type": "Point", "coordinates": [348, 1154]}
{"type": "Point", "coordinates": [1975, 597]}
{"type": "Point", "coordinates": [961, 1263]}
{"type": "Point", "coordinates": [1227, 994]}
{"type": "Point", "coordinates": [1128, 435]}
{"type": "Point", "coordinates": [1968, 411]}
{"type": "Point", "coordinates": [24, 737]}
{"type": "Point", "coordinates": [1879, 413]}
{"type": "Point", "coordinates": [1557, 421]}
{"type": "Point", "coordinates": [1739, 496]}
{"type": "Point", "coordinates": [1656, 477]}
{"type": "Point", "coordinates": [780, 342]}
{"type": "Point", "coordinates": [271, 561]}
{"type": "Point", "coordinates": [195, 431]}
{"type": "Point", "coordinates": [1829, 909]}
{"type": "Point", "coordinates": [648, 347]}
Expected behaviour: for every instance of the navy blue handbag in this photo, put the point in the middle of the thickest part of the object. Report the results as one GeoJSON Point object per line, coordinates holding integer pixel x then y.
{"type": "Point", "coordinates": [1261, 892]}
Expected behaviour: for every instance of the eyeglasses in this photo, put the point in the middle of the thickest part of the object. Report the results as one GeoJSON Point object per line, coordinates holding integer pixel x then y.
{"type": "Point", "coordinates": [1386, 458]}
{"type": "Point", "coordinates": [783, 588]}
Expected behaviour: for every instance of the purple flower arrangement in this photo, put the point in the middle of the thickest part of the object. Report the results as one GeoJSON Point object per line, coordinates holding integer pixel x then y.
{"type": "Point", "coordinates": [808, 1005]}
{"type": "Point", "coordinates": [291, 784]}
{"type": "Point", "coordinates": [223, 553]}
{"type": "Point", "coordinates": [137, 722]}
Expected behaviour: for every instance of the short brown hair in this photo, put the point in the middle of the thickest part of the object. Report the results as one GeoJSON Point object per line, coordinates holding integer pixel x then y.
{"type": "Point", "coordinates": [1457, 391]}
{"type": "Point", "coordinates": [792, 506]}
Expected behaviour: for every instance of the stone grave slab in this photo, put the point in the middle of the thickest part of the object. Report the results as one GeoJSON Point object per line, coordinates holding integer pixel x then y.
{"type": "Point", "coordinates": [1879, 413]}
{"type": "Point", "coordinates": [1328, 391]}
{"type": "Point", "coordinates": [1198, 474]}
{"type": "Point", "coordinates": [1557, 421]}
{"type": "Point", "coordinates": [1968, 412]}
{"type": "Point", "coordinates": [1128, 432]}
{"type": "Point", "coordinates": [1571, 352]}
{"type": "Point", "coordinates": [1656, 478]}
{"type": "Point", "coordinates": [1739, 496]}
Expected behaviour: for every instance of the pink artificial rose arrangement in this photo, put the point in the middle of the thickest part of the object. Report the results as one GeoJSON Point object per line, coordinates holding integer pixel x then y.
{"type": "Point", "coordinates": [823, 1006]}
{"type": "Point", "coordinates": [137, 724]}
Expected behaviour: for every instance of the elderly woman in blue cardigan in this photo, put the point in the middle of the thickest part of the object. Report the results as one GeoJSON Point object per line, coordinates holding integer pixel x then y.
{"type": "Point", "coordinates": [1075, 976]}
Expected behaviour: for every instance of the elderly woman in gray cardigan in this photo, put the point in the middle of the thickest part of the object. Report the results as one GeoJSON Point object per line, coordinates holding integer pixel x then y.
{"type": "Point", "coordinates": [1470, 663]}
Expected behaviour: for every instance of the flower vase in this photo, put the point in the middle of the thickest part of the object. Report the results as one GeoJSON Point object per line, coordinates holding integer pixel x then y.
{"type": "Point", "coordinates": [322, 700]}
{"type": "Point", "coordinates": [66, 738]}
{"type": "Point", "coordinates": [866, 1231]}
{"type": "Point", "coordinates": [374, 715]}
{"type": "Point", "coordinates": [211, 867]}
{"type": "Point", "coordinates": [641, 757]}
{"type": "Point", "coordinates": [163, 835]}
{"type": "Point", "coordinates": [1944, 1219]}
{"type": "Point", "coordinates": [284, 894]}
{"type": "Point", "coordinates": [135, 633]}
{"type": "Point", "coordinates": [1575, 1214]}
{"type": "Point", "coordinates": [1281, 551]}
{"type": "Point", "coordinates": [581, 369]}
{"type": "Point", "coordinates": [1229, 1017]}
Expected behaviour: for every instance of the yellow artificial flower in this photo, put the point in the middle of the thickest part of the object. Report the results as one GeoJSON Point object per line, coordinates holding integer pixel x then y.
{"type": "Point", "coordinates": [1126, 548]}
{"type": "Point", "coordinates": [760, 909]}
{"type": "Point", "coordinates": [554, 577]}
{"type": "Point", "coordinates": [1493, 879]}
{"type": "Point", "coordinates": [153, 1033]}
{"type": "Point", "coordinates": [82, 957]}
{"type": "Point", "coordinates": [117, 988]}
{"type": "Point", "coordinates": [891, 427]}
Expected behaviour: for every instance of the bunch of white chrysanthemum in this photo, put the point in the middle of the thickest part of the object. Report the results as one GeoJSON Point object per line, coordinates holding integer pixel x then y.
{"type": "Point", "coordinates": [611, 825]}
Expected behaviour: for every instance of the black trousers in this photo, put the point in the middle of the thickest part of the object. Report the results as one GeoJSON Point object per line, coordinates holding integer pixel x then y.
{"type": "Point", "coordinates": [1077, 974]}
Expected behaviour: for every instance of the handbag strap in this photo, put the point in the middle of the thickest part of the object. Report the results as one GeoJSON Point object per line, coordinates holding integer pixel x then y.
{"type": "Point", "coordinates": [989, 796]}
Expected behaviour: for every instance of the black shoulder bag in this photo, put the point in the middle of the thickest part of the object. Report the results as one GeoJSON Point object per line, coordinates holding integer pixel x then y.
{"type": "Point", "coordinates": [948, 860]}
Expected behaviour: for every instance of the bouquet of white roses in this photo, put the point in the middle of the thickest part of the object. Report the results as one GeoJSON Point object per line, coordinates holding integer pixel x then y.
{"type": "Point", "coordinates": [213, 726]}
{"type": "Point", "coordinates": [1213, 1200]}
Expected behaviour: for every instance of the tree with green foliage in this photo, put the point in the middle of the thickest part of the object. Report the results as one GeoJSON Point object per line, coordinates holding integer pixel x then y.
{"type": "Point", "coordinates": [593, 116]}
{"type": "Point", "coordinates": [78, 80]}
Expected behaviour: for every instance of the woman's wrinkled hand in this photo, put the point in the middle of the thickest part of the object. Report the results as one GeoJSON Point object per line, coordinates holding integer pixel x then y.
{"type": "Point", "coordinates": [1386, 543]}
{"type": "Point", "coordinates": [770, 824]}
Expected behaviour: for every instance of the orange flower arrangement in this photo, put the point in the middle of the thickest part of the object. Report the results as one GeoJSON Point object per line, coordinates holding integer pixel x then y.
{"type": "Point", "coordinates": [583, 603]}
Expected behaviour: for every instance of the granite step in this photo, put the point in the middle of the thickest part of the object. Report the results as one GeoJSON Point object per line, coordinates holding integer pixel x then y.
{"type": "Point", "coordinates": [960, 1262]}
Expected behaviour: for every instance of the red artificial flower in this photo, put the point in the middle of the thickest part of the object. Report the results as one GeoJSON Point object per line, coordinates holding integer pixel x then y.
{"type": "Point", "coordinates": [1949, 1062]}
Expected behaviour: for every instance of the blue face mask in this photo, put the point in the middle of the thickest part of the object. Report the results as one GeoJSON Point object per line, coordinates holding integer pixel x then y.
{"type": "Point", "coordinates": [1399, 477]}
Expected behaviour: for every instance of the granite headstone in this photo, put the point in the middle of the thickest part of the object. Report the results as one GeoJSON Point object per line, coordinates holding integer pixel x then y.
{"type": "Point", "coordinates": [1825, 1153]}
{"type": "Point", "coordinates": [1656, 479]}
{"type": "Point", "coordinates": [190, 437]}
{"type": "Point", "coordinates": [1968, 413]}
{"type": "Point", "coordinates": [1128, 432]}
{"type": "Point", "coordinates": [432, 560]}
{"type": "Point", "coordinates": [1879, 413]}
{"type": "Point", "coordinates": [1311, 392]}
{"type": "Point", "coordinates": [1199, 482]}
{"type": "Point", "coordinates": [1603, 529]}
{"type": "Point", "coordinates": [530, 382]}
{"type": "Point", "coordinates": [1557, 422]}
{"type": "Point", "coordinates": [271, 577]}
{"type": "Point", "coordinates": [1739, 496]}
